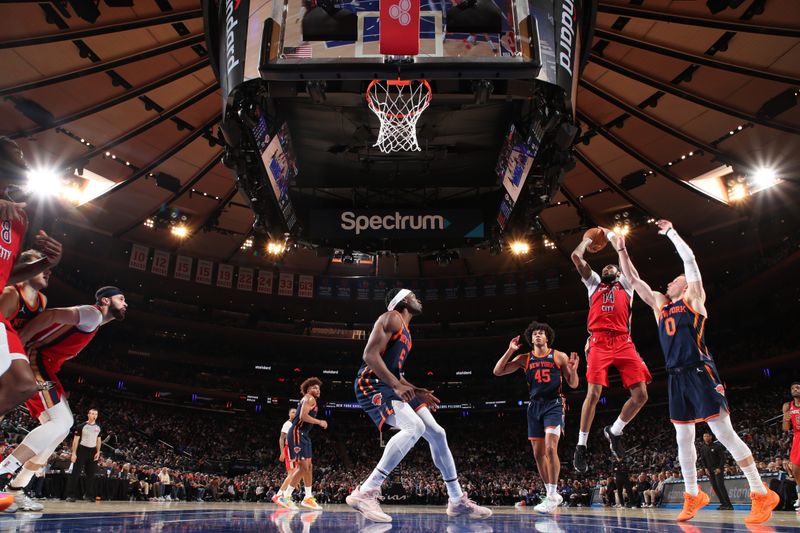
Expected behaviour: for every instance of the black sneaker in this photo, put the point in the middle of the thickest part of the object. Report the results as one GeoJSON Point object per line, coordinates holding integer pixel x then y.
{"type": "Point", "coordinates": [616, 443]}
{"type": "Point", "coordinates": [580, 459]}
{"type": "Point", "coordinates": [5, 479]}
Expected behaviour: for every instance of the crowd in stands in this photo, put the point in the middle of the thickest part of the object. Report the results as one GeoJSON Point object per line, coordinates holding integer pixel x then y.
{"type": "Point", "coordinates": [168, 452]}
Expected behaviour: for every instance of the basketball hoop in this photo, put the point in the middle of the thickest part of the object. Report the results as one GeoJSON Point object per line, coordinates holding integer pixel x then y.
{"type": "Point", "coordinates": [398, 104]}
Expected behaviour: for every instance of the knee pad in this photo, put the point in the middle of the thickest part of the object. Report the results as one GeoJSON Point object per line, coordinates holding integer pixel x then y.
{"type": "Point", "coordinates": [723, 430]}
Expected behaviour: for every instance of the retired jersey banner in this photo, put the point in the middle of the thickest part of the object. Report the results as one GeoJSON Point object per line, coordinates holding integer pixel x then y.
{"type": "Point", "coordinates": [431, 291]}
{"type": "Point", "coordinates": [225, 276]}
{"type": "Point", "coordinates": [305, 288]}
{"type": "Point", "coordinates": [264, 282]}
{"type": "Point", "coordinates": [160, 264]}
{"type": "Point", "coordinates": [399, 27]}
{"type": "Point", "coordinates": [490, 286]}
{"type": "Point", "coordinates": [362, 289]}
{"type": "Point", "coordinates": [285, 284]}
{"type": "Point", "coordinates": [183, 268]}
{"type": "Point", "coordinates": [343, 289]}
{"type": "Point", "coordinates": [204, 271]}
{"type": "Point", "coordinates": [324, 288]}
{"type": "Point", "coordinates": [245, 281]}
{"type": "Point", "coordinates": [531, 282]}
{"type": "Point", "coordinates": [451, 289]}
{"type": "Point", "coordinates": [379, 290]}
{"type": "Point", "coordinates": [471, 288]}
{"type": "Point", "coordinates": [139, 255]}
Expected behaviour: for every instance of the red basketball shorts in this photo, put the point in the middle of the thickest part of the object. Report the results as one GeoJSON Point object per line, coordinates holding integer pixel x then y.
{"type": "Point", "coordinates": [608, 348]}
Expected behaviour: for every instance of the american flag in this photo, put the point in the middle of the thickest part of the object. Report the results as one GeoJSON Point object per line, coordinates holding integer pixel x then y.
{"type": "Point", "coordinates": [298, 52]}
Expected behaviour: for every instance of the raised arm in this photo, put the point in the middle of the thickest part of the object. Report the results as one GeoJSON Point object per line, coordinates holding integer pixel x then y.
{"type": "Point", "coordinates": [387, 325]}
{"type": "Point", "coordinates": [569, 367]}
{"type": "Point", "coordinates": [580, 263]}
{"type": "Point", "coordinates": [694, 291]}
{"type": "Point", "coordinates": [652, 298]}
{"type": "Point", "coordinates": [505, 365]}
{"type": "Point", "coordinates": [51, 249]}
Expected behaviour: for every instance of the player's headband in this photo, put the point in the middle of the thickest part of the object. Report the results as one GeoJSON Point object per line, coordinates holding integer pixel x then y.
{"type": "Point", "coordinates": [106, 292]}
{"type": "Point", "coordinates": [398, 298]}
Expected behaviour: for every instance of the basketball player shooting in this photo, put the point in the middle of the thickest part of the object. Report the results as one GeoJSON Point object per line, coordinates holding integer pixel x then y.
{"type": "Point", "coordinates": [387, 397]}
{"type": "Point", "coordinates": [694, 388]}
{"type": "Point", "coordinates": [609, 344]}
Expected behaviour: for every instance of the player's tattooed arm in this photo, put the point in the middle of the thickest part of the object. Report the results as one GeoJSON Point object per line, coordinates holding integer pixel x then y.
{"type": "Point", "coordinates": [787, 418]}
{"type": "Point", "coordinates": [577, 259]}
{"type": "Point", "coordinates": [386, 326]}
{"type": "Point", "coordinates": [503, 365]}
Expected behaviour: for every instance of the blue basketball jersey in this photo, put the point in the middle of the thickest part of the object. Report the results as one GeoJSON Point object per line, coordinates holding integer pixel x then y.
{"type": "Point", "coordinates": [394, 356]}
{"type": "Point", "coordinates": [299, 424]}
{"type": "Point", "coordinates": [543, 376]}
{"type": "Point", "coordinates": [681, 331]}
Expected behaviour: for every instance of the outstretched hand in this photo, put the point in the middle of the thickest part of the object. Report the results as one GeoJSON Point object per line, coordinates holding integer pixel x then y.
{"type": "Point", "coordinates": [573, 361]}
{"type": "Point", "coordinates": [50, 247]}
{"type": "Point", "coordinates": [663, 226]}
{"type": "Point", "coordinates": [515, 344]}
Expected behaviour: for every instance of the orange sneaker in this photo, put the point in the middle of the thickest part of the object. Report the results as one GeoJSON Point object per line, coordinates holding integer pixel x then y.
{"type": "Point", "coordinates": [692, 504]}
{"type": "Point", "coordinates": [762, 506]}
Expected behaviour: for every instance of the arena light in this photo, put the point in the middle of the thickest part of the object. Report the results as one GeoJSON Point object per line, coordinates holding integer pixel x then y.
{"type": "Point", "coordinates": [520, 248]}
{"type": "Point", "coordinates": [548, 244]}
{"type": "Point", "coordinates": [622, 229]}
{"type": "Point", "coordinates": [44, 181]}
{"type": "Point", "coordinates": [276, 248]}
{"type": "Point", "coordinates": [764, 177]}
{"type": "Point", "coordinates": [737, 192]}
{"type": "Point", "coordinates": [149, 223]}
{"type": "Point", "coordinates": [247, 244]}
{"type": "Point", "coordinates": [180, 231]}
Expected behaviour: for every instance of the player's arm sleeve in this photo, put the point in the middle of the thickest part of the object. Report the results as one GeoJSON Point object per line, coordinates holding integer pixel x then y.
{"type": "Point", "coordinates": [690, 268]}
{"type": "Point", "coordinates": [592, 282]}
{"type": "Point", "coordinates": [90, 318]}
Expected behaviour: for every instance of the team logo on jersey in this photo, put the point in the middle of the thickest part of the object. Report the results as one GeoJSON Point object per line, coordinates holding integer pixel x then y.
{"type": "Point", "coordinates": [720, 389]}
{"type": "Point", "coordinates": [377, 399]}
{"type": "Point", "coordinates": [297, 449]}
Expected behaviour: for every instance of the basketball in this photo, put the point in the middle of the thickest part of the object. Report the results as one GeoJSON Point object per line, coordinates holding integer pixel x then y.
{"type": "Point", "coordinates": [599, 239]}
{"type": "Point", "coordinates": [6, 500]}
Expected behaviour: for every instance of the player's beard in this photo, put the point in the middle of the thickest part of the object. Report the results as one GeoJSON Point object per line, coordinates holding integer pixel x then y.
{"type": "Point", "coordinates": [117, 313]}
{"type": "Point", "coordinates": [608, 278]}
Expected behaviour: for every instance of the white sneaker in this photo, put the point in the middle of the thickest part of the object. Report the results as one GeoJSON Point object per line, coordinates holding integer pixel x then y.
{"type": "Point", "coordinates": [557, 498]}
{"type": "Point", "coordinates": [366, 503]}
{"type": "Point", "coordinates": [25, 503]}
{"type": "Point", "coordinates": [465, 506]}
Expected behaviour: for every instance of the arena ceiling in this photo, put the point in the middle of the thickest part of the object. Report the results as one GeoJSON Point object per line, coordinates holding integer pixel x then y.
{"type": "Point", "coordinates": [670, 93]}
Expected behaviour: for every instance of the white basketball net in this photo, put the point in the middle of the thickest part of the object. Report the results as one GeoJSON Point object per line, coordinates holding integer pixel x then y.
{"type": "Point", "coordinates": [398, 105]}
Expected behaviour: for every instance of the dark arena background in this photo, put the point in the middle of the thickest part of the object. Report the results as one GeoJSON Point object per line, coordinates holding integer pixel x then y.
{"type": "Point", "coordinates": [249, 179]}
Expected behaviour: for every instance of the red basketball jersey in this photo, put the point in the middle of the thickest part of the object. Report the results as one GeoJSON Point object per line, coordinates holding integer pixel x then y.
{"type": "Point", "coordinates": [609, 305]}
{"type": "Point", "coordinates": [12, 233]}
{"type": "Point", "coordinates": [60, 343]}
{"type": "Point", "coordinates": [794, 412]}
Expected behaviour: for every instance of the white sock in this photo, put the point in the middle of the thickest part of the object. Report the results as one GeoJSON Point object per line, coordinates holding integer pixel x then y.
{"type": "Point", "coordinates": [754, 478]}
{"type": "Point", "coordinates": [280, 493]}
{"type": "Point", "coordinates": [551, 488]}
{"type": "Point", "coordinates": [308, 492]}
{"type": "Point", "coordinates": [618, 426]}
{"type": "Point", "coordinates": [288, 492]}
{"type": "Point", "coordinates": [9, 465]}
{"type": "Point", "coordinates": [22, 479]}
{"type": "Point", "coordinates": [583, 436]}
{"type": "Point", "coordinates": [454, 492]}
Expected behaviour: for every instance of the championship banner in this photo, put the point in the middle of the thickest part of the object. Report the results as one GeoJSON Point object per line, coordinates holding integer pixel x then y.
{"type": "Point", "coordinates": [490, 286]}
{"type": "Point", "coordinates": [160, 263]}
{"type": "Point", "coordinates": [399, 27]}
{"type": "Point", "coordinates": [470, 288]}
{"type": "Point", "coordinates": [324, 288]}
{"type": "Point", "coordinates": [362, 289]}
{"type": "Point", "coordinates": [183, 268]}
{"type": "Point", "coordinates": [139, 255]}
{"type": "Point", "coordinates": [305, 287]}
{"type": "Point", "coordinates": [245, 281]}
{"type": "Point", "coordinates": [225, 276]}
{"type": "Point", "coordinates": [343, 289]}
{"type": "Point", "coordinates": [431, 292]}
{"type": "Point", "coordinates": [379, 290]}
{"type": "Point", "coordinates": [204, 270]}
{"type": "Point", "coordinates": [286, 284]}
{"type": "Point", "coordinates": [264, 282]}
{"type": "Point", "coordinates": [509, 284]}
